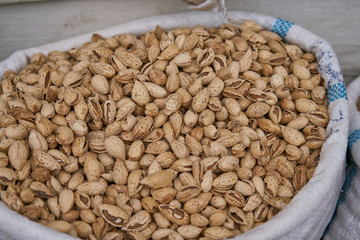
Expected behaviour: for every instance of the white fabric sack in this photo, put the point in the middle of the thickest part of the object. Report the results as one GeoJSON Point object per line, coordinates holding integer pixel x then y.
{"type": "Point", "coordinates": [309, 212]}
{"type": "Point", "coordinates": [346, 221]}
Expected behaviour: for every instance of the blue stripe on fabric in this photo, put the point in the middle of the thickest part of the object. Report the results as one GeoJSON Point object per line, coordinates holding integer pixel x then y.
{"type": "Point", "coordinates": [336, 92]}
{"type": "Point", "coordinates": [353, 138]}
{"type": "Point", "coordinates": [333, 75]}
{"type": "Point", "coordinates": [281, 27]}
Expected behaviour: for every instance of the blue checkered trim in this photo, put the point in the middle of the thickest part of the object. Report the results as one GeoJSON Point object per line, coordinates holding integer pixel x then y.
{"type": "Point", "coordinates": [282, 27]}
{"type": "Point", "coordinates": [353, 138]}
{"type": "Point", "coordinates": [336, 92]}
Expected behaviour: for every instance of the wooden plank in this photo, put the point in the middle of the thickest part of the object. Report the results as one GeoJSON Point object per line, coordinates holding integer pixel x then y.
{"type": "Point", "coordinates": [17, 1]}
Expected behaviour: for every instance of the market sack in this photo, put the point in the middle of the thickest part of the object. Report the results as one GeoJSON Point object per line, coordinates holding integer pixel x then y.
{"type": "Point", "coordinates": [309, 212]}
{"type": "Point", "coordinates": [345, 222]}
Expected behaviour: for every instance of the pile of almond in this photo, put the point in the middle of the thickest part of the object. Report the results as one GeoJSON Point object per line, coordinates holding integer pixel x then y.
{"type": "Point", "coordinates": [191, 133]}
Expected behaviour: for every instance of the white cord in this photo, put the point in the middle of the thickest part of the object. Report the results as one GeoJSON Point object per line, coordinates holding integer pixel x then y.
{"type": "Point", "coordinates": [226, 16]}
{"type": "Point", "coordinates": [214, 6]}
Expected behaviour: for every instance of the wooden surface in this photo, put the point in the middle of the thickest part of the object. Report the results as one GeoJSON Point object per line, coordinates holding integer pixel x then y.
{"type": "Point", "coordinates": [17, 1]}
{"type": "Point", "coordinates": [31, 23]}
